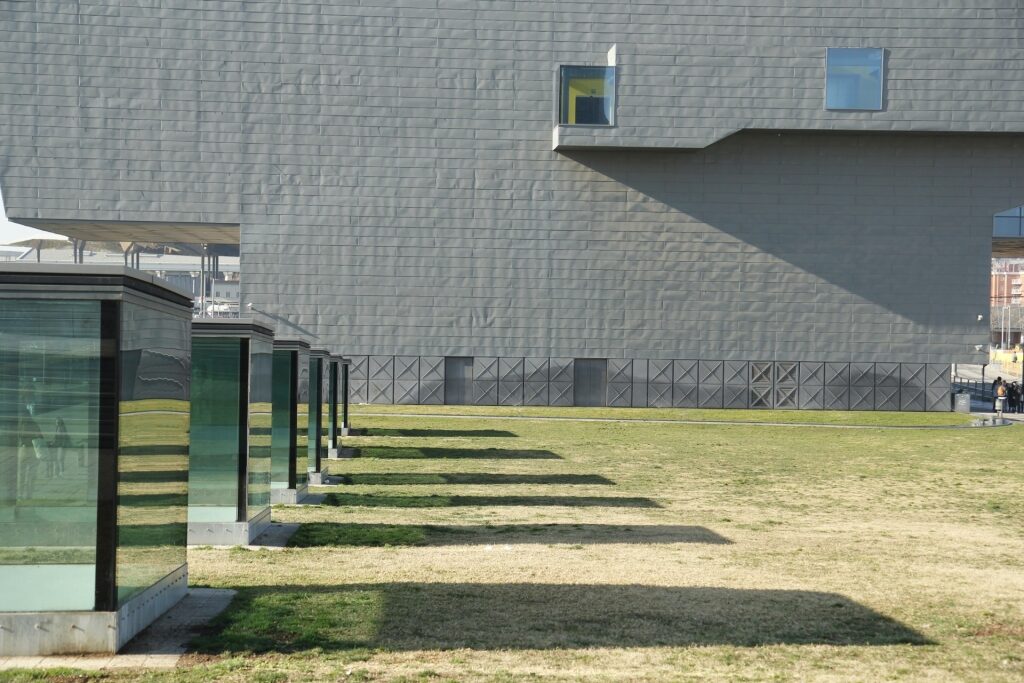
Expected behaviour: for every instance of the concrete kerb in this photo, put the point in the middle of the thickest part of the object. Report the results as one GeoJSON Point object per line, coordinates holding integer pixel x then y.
{"type": "Point", "coordinates": [740, 423]}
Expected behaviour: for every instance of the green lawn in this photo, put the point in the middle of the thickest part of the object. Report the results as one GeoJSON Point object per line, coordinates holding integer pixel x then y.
{"type": "Point", "coordinates": [508, 550]}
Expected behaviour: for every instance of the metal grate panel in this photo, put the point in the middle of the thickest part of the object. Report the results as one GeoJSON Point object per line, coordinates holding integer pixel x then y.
{"type": "Point", "coordinates": [510, 393]}
{"type": "Point", "coordinates": [685, 372]}
{"type": "Point", "coordinates": [620, 395]}
{"type": "Point", "coordinates": [382, 367]}
{"type": "Point", "coordinates": [560, 393]}
{"type": "Point", "coordinates": [684, 396]}
{"type": "Point", "coordinates": [381, 391]}
{"type": "Point", "coordinates": [432, 368]}
{"type": "Point", "coordinates": [485, 392]}
{"type": "Point", "coordinates": [561, 369]}
{"type": "Point", "coordinates": [510, 370]}
{"type": "Point", "coordinates": [620, 371]}
{"type": "Point", "coordinates": [535, 369]}
{"type": "Point", "coordinates": [358, 390]}
{"type": "Point", "coordinates": [535, 393]}
{"type": "Point", "coordinates": [407, 367]}
{"type": "Point", "coordinates": [812, 397]}
{"type": "Point", "coordinates": [735, 396]}
{"type": "Point", "coordinates": [812, 374]}
{"type": "Point", "coordinates": [659, 372]}
{"type": "Point", "coordinates": [407, 391]}
{"type": "Point", "coordinates": [787, 397]}
{"type": "Point", "coordinates": [431, 392]}
{"type": "Point", "coordinates": [659, 395]}
{"type": "Point", "coordinates": [837, 397]}
{"type": "Point", "coordinates": [862, 398]}
{"type": "Point", "coordinates": [359, 368]}
{"type": "Point", "coordinates": [485, 369]}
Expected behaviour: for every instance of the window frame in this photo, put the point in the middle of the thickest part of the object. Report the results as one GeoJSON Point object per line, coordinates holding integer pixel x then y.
{"type": "Point", "coordinates": [559, 92]}
{"type": "Point", "coordinates": [881, 84]}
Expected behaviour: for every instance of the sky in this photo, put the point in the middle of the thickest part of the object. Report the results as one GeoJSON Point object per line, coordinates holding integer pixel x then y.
{"type": "Point", "coordinates": [12, 232]}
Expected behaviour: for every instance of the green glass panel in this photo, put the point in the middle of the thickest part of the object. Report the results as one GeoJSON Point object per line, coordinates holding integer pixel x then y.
{"type": "Point", "coordinates": [261, 386]}
{"type": "Point", "coordinates": [302, 420]}
{"type": "Point", "coordinates": [49, 454]}
{"type": "Point", "coordinates": [332, 401]}
{"type": "Point", "coordinates": [325, 406]}
{"type": "Point", "coordinates": [282, 436]}
{"type": "Point", "coordinates": [152, 508]}
{"type": "Point", "coordinates": [214, 449]}
{"type": "Point", "coordinates": [315, 422]}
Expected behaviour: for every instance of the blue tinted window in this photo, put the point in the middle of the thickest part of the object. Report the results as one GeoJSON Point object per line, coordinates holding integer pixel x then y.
{"type": "Point", "coordinates": [1007, 223]}
{"type": "Point", "coordinates": [853, 79]}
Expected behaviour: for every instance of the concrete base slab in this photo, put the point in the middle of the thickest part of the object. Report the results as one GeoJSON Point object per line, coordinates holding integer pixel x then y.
{"type": "Point", "coordinates": [342, 454]}
{"type": "Point", "coordinates": [160, 646]}
{"type": "Point", "coordinates": [346, 431]}
{"type": "Point", "coordinates": [32, 634]}
{"type": "Point", "coordinates": [228, 533]}
{"type": "Point", "coordinates": [317, 478]}
{"type": "Point", "coordinates": [288, 496]}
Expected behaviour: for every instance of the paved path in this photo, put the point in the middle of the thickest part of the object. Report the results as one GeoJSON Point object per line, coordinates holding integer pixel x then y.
{"type": "Point", "coordinates": [743, 423]}
{"type": "Point", "coordinates": [160, 646]}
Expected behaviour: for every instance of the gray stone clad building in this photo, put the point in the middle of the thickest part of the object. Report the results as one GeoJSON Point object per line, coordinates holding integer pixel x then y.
{"type": "Point", "coordinates": [758, 203]}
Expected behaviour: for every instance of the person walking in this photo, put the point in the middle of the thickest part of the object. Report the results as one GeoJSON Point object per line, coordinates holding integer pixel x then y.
{"type": "Point", "coordinates": [58, 448]}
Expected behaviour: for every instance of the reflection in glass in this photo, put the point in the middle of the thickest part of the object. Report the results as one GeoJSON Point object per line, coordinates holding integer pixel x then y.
{"type": "Point", "coordinates": [49, 454]}
{"type": "Point", "coordinates": [152, 505]}
{"type": "Point", "coordinates": [302, 420]}
{"type": "Point", "coordinates": [260, 397]}
{"type": "Point", "coordinates": [315, 419]}
{"type": "Point", "coordinates": [1007, 224]}
{"type": "Point", "coordinates": [853, 79]}
{"type": "Point", "coordinates": [587, 95]}
{"type": "Point", "coordinates": [282, 443]}
{"type": "Point", "coordinates": [216, 444]}
{"type": "Point", "coordinates": [325, 406]}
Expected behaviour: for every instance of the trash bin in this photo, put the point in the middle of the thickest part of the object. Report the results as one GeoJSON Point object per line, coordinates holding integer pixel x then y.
{"type": "Point", "coordinates": [961, 402]}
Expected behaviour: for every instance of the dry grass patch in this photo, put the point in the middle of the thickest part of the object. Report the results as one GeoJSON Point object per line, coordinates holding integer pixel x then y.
{"type": "Point", "coordinates": [766, 553]}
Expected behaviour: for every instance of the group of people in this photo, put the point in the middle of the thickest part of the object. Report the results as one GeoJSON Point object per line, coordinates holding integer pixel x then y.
{"type": "Point", "coordinates": [35, 451]}
{"type": "Point", "coordinates": [1009, 393]}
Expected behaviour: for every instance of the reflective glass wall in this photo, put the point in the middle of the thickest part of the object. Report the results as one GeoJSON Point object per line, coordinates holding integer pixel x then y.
{"type": "Point", "coordinates": [316, 413]}
{"type": "Point", "coordinates": [302, 394]}
{"type": "Point", "coordinates": [152, 467]}
{"type": "Point", "coordinates": [332, 402]}
{"type": "Point", "coordinates": [283, 412]}
{"type": "Point", "coordinates": [49, 453]}
{"type": "Point", "coordinates": [218, 424]}
{"type": "Point", "coordinates": [261, 387]}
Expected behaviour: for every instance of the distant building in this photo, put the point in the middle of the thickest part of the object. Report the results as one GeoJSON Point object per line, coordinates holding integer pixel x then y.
{"type": "Point", "coordinates": [759, 203]}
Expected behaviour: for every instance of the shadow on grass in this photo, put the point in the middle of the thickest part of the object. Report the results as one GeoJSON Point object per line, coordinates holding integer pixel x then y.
{"type": "Point", "coordinates": [440, 433]}
{"type": "Point", "coordinates": [404, 453]}
{"type": "Point", "coordinates": [373, 500]}
{"type": "Point", "coordinates": [439, 616]}
{"type": "Point", "coordinates": [331, 534]}
{"type": "Point", "coordinates": [424, 478]}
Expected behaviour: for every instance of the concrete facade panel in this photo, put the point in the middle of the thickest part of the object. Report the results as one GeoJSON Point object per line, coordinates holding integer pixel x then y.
{"type": "Point", "coordinates": [391, 168]}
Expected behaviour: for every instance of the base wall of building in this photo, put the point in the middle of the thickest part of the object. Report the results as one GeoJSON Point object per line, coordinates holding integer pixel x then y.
{"type": "Point", "coordinates": [288, 496]}
{"type": "Point", "coordinates": [644, 383]}
{"type": "Point", "coordinates": [228, 533]}
{"type": "Point", "coordinates": [67, 633]}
